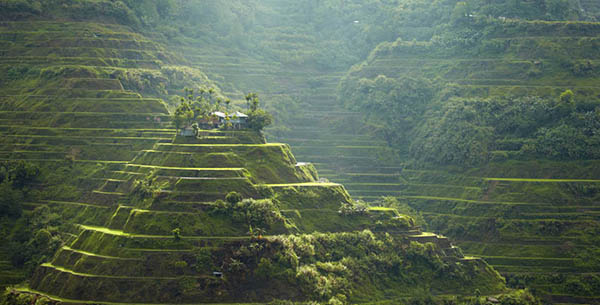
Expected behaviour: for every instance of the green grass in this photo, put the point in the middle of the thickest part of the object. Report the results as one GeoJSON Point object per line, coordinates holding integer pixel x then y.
{"type": "Point", "coordinates": [130, 278]}
{"type": "Point", "coordinates": [542, 180]}
{"type": "Point", "coordinates": [290, 187]}
{"type": "Point", "coordinates": [131, 235]}
{"type": "Point", "coordinates": [72, 301]}
{"type": "Point", "coordinates": [100, 256]}
{"type": "Point", "coordinates": [306, 184]}
{"type": "Point", "coordinates": [186, 168]}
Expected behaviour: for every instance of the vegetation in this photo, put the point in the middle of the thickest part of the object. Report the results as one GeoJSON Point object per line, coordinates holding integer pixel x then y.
{"type": "Point", "coordinates": [479, 117]}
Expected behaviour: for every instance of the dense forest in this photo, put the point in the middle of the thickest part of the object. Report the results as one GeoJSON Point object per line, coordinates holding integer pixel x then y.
{"type": "Point", "coordinates": [450, 151]}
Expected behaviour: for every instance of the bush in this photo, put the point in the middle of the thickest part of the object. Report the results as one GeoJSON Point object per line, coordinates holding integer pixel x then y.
{"type": "Point", "coordinates": [19, 173]}
{"type": "Point", "coordinates": [257, 213]}
{"type": "Point", "coordinates": [10, 200]}
{"type": "Point", "coordinates": [354, 208]}
{"type": "Point", "coordinates": [233, 197]}
{"type": "Point", "coordinates": [177, 233]}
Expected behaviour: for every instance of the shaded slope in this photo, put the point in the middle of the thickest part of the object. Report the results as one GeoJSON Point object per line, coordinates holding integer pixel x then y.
{"type": "Point", "coordinates": [529, 211]}
{"type": "Point", "coordinates": [299, 92]}
{"type": "Point", "coordinates": [143, 210]}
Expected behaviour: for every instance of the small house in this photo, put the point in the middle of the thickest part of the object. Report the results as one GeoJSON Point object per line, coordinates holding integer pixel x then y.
{"type": "Point", "coordinates": [187, 131]}
{"type": "Point", "coordinates": [221, 117]}
{"type": "Point", "coordinates": [237, 119]}
{"type": "Point", "coordinates": [241, 119]}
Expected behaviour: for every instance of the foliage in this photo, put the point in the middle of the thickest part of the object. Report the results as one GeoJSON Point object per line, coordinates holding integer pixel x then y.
{"type": "Point", "coordinates": [19, 173]}
{"type": "Point", "coordinates": [345, 266]}
{"type": "Point", "coordinates": [449, 129]}
{"type": "Point", "coordinates": [147, 189]}
{"type": "Point", "coordinates": [454, 135]}
{"type": "Point", "coordinates": [257, 213]}
{"type": "Point", "coordinates": [10, 201]}
{"type": "Point", "coordinates": [567, 96]}
{"type": "Point", "coordinates": [392, 107]}
{"type": "Point", "coordinates": [15, 180]}
{"type": "Point", "coordinates": [35, 238]}
{"type": "Point", "coordinates": [233, 197]}
{"type": "Point", "coordinates": [403, 208]}
{"type": "Point", "coordinates": [183, 115]}
{"type": "Point", "coordinates": [354, 208]}
{"type": "Point", "coordinates": [177, 233]}
{"type": "Point", "coordinates": [259, 119]}
{"type": "Point", "coordinates": [197, 106]}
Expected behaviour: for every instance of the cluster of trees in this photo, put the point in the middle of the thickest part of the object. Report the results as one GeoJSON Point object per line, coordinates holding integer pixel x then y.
{"type": "Point", "coordinates": [35, 238]}
{"type": "Point", "coordinates": [258, 118]}
{"type": "Point", "coordinates": [257, 215]}
{"type": "Point", "coordinates": [15, 178]}
{"type": "Point", "coordinates": [392, 107]}
{"type": "Point", "coordinates": [431, 121]}
{"type": "Point", "coordinates": [147, 189]}
{"type": "Point", "coordinates": [538, 9]}
{"type": "Point", "coordinates": [197, 110]}
{"type": "Point", "coordinates": [30, 238]}
{"type": "Point", "coordinates": [439, 127]}
{"type": "Point", "coordinates": [466, 131]}
{"type": "Point", "coordinates": [198, 106]}
{"type": "Point", "coordinates": [335, 268]}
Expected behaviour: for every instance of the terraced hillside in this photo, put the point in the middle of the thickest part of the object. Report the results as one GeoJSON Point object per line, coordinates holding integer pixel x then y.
{"type": "Point", "coordinates": [530, 213]}
{"type": "Point", "coordinates": [65, 108]}
{"type": "Point", "coordinates": [130, 241]}
{"type": "Point", "coordinates": [142, 211]}
{"type": "Point", "coordinates": [302, 97]}
{"type": "Point", "coordinates": [317, 128]}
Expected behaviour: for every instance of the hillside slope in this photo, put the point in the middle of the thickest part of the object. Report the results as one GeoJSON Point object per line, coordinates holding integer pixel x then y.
{"type": "Point", "coordinates": [137, 214]}
{"type": "Point", "coordinates": [504, 153]}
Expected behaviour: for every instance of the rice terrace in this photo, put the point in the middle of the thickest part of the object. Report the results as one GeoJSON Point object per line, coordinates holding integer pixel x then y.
{"type": "Point", "coordinates": [300, 152]}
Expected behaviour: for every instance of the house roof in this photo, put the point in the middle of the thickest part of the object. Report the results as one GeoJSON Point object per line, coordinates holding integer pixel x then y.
{"type": "Point", "coordinates": [219, 114]}
{"type": "Point", "coordinates": [236, 114]}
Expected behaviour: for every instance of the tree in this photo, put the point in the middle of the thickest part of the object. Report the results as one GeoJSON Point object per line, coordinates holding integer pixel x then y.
{"type": "Point", "coordinates": [19, 173]}
{"type": "Point", "coordinates": [567, 96]}
{"type": "Point", "coordinates": [252, 101]}
{"type": "Point", "coordinates": [177, 233]}
{"type": "Point", "coordinates": [259, 119]}
{"type": "Point", "coordinates": [10, 200]}
{"type": "Point", "coordinates": [183, 115]}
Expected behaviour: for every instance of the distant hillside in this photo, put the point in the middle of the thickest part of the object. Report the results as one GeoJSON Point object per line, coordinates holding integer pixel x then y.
{"type": "Point", "coordinates": [479, 116]}
{"type": "Point", "coordinates": [497, 121]}
{"type": "Point", "coordinates": [103, 203]}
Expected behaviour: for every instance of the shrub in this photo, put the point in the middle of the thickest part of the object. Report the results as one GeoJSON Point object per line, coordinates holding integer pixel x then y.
{"type": "Point", "coordinates": [233, 197]}
{"type": "Point", "coordinates": [354, 208]}
{"type": "Point", "coordinates": [567, 96]}
{"type": "Point", "coordinates": [177, 233]}
{"type": "Point", "coordinates": [10, 200]}
{"type": "Point", "coordinates": [180, 264]}
{"type": "Point", "coordinates": [19, 173]}
{"type": "Point", "coordinates": [257, 213]}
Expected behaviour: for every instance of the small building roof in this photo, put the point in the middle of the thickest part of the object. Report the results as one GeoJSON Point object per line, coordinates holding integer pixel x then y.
{"type": "Point", "coordinates": [236, 114]}
{"type": "Point", "coordinates": [219, 114]}
{"type": "Point", "coordinates": [240, 115]}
